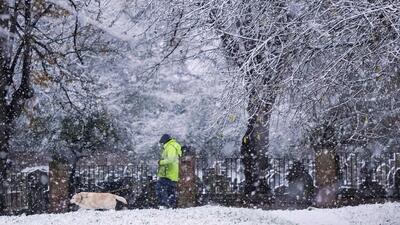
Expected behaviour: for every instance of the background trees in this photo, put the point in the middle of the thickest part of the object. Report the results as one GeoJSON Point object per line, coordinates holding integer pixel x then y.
{"type": "Point", "coordinates": [328, 60]}
{"type": "Point", "coordinates": [144, 64]}
{"type": "Point", "coordinates": [248, 75]}
{"type": "Point", "coordinates": [43, 73]}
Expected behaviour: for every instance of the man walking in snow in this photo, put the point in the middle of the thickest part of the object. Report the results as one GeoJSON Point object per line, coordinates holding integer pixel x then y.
{"type": "Point", "coordinates": [168, 171]}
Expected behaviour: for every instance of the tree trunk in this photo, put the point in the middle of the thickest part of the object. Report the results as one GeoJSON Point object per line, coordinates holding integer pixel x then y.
{"type": "Point", "coordinates": [255, 145]}
{"type": "Point", "coordinates": [255, 141]}
{"type": "Point", "coordinates": [4, 83]}
{"type": "Point", "coordinates": [11, 106]}
{"type": "Point", "coordinates": [241, 42]}
{"type": "Point", "coordinates": [4, 78]}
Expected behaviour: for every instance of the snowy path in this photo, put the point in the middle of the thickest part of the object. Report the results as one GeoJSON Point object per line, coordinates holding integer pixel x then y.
{"type": "Point", "coordinates": [211, 215]}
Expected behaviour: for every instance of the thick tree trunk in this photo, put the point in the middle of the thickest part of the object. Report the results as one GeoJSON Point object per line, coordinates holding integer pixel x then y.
{"type": "Point", "coordinates": [4, 79]}
{"type": "Point", "coordinates": [11, 106]}
{"type": "Point", "coordinates": [24, 91]}
{"type": "Point", "coordinates": [4, 83]}
{"type": "Point", "coordinates": [254, 147]}
{"type": "Point", "coordinates": [242, 50]}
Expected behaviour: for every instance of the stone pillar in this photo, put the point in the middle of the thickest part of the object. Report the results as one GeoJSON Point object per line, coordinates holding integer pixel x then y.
{"type": "Point", "coordinates": [397, 160]}
{"type": "Point", "coordinates": [396, 185]}
{"type": "Point", "coordinates": [187, 189]}
{"type": "Point", "coordinates": [59, 187]}
{"type": "Point", "coordinates": [326, 178]}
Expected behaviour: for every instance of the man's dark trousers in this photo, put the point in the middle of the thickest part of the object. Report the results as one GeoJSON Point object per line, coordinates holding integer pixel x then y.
{"type": "Point", "coordinates": [166, 192]}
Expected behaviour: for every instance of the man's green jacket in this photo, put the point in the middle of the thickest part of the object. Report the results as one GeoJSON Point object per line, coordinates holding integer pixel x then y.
{"type": "Point", "coordinates": [169, 163]}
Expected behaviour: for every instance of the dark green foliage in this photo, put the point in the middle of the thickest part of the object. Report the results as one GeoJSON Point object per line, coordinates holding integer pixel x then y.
{"type": "Point", "coordinates": [89, 132]}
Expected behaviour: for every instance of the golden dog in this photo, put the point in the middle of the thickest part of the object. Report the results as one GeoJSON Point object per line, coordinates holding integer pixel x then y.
{"type": "Point", "coordinates": [91, 200]}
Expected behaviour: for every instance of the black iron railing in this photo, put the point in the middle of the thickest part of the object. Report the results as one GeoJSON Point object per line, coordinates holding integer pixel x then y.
{"type": "Point", "coordinates": [26, 191]}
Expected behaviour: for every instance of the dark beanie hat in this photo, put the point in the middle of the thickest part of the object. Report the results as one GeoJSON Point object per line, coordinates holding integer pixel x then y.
{"type": "Point", "coordinates": [165, 138]}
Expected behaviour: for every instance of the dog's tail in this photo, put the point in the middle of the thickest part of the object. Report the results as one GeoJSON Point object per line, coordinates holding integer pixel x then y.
{"type": "Point", "coordinates": [121, 199]}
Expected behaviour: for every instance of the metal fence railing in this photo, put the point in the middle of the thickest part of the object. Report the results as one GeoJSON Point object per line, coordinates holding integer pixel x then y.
{"type": "Point", "coordinates": [130, 182]}
{"type": "Point", "coordinates": [26, 190]}
{"type": "Point", "coordinates": [357, 176]}
{"type": "Point", "coordinates": [93, 178]}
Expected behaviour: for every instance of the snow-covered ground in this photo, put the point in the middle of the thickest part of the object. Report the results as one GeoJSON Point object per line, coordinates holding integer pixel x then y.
{"type": "Point", "coordinates": [378, 214]}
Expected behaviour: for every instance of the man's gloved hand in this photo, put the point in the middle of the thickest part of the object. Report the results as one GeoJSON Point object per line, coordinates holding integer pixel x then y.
{"type": "Point", "coordinates": [159, 161]}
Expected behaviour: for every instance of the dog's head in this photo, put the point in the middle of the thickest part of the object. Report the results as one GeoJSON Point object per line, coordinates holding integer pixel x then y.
{"type": "Point", "coordinates": [77, 198]}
